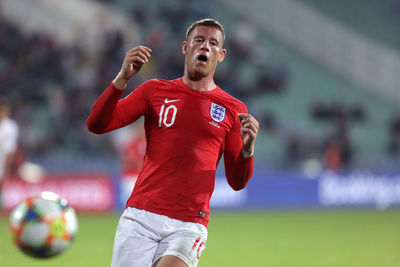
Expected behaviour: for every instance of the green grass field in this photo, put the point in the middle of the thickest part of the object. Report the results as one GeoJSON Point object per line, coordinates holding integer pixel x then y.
{"type": "Point", "coordinates": [354, 238]}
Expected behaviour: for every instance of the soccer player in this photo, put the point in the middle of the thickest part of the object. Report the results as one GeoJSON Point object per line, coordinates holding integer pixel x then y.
{"type": "Point", "coordinates": [190, 123]}
{"type": "Point", "coordinates": [8, 141]}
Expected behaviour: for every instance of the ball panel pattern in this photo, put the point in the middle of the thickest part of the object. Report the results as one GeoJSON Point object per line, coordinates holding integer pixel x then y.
{"type": "Point", "coordinates": [43, 226]}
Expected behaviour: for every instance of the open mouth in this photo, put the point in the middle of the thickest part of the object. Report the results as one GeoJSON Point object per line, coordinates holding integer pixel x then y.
{"type": "Point", "coordinates": [202, 58]}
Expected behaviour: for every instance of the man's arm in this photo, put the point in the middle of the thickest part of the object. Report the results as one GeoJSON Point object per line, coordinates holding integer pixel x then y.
{"type": "Point", "coordinates": [108, 112]}
{"type": "Point", "coordinates": [248, 131]}
{"type": "Point", "coordinates": [133, 62]}
{"type": "Point", "coordinates": [6, 170]}
{"type": "Point", "coordinates": [10, 146]}
{"type": "Point", "coordinates": [239, 151]}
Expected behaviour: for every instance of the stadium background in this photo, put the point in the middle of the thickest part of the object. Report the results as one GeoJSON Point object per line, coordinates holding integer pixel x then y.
{"type": "Point", "coordinates": [322, 79]}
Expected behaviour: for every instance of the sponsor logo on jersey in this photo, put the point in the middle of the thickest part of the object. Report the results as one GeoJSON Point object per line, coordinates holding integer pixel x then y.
{"type": "Point", "coordinates": [170, 100]}
{"type": "Point", "coordinates": [217, 112]}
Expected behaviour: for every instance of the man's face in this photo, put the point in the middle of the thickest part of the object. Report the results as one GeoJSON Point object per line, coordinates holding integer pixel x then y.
{"type": "Point", "coordinates": [203, 50]}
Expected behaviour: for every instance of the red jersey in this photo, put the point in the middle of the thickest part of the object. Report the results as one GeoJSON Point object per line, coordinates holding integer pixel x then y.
{"type": "Point", "coordinates": [187, 131]}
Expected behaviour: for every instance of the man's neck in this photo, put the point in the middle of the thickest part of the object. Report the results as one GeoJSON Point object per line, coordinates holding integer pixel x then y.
{"type": "Point", "coordinates": [204, 84]}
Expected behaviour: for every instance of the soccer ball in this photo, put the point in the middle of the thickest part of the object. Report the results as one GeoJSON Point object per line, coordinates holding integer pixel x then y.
{"type": "Point", "coordinates": [43, 226]}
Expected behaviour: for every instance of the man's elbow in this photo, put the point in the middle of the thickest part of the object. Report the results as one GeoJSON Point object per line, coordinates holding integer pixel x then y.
{"type": "Point", "coordinates": [238, 181]}
{"type": "Point", "coordinates": [92, 127]}
{"type": "Point", "coordinates": [238, 186]}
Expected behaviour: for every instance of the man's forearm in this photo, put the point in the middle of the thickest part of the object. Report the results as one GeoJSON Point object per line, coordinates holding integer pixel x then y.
{"type": "Point", "coordinates": [120, 83]}
{"type": "Point", "coordinates": [238, 169]}
{"type": "Point", "coordinates": [7, 168]}
{"type": "Point", "coordinates": [100, 118]}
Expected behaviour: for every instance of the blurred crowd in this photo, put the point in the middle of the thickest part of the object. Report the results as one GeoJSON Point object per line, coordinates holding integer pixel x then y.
{"type": "Point", "coordinates": [52, 86]}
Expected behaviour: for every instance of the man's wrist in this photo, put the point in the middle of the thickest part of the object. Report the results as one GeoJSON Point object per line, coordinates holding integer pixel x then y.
{"type": "Point", "coordinates": [247, 154]}
{"type": "Point", "coordinates": [120, 83]}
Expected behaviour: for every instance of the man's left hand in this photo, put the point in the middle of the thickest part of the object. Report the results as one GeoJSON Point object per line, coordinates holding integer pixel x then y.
{"type": "Point", "coordinates": [248, 131]}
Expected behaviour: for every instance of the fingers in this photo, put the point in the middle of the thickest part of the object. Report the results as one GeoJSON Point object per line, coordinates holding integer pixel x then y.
{"type": "Point", "coordinates": [134, 60]}
{"type": "Point", "coordinates": [243, 115]}
{"type": "Point", "coordinates": [249, 128]}
{"type": "Point", "coordinates": [248, 135]}
{"type": "Point", "coordinates": [137, 57]}
{"type": "Point", "coordinates": [246, 140]}
{"type": "Point", "coordinates": [139, 54]}
{"type": "Point", "coordinates": [248, 121]}
{"type": "Point", "coordinates": [141, 48]}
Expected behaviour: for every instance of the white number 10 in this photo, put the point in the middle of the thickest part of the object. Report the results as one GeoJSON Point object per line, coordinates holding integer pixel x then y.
{"type": "Point", "coordinates": [165, 115]}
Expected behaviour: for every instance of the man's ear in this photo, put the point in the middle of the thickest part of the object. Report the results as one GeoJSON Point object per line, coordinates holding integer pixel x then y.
{"type": "Point", "coordinates": [222, 55]}
{"type": "Point", "coordinates": [184, 47]}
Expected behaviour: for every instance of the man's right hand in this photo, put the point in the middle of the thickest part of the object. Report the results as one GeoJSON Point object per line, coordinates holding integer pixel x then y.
{"type": "Point", "coordinates": [133, 62]}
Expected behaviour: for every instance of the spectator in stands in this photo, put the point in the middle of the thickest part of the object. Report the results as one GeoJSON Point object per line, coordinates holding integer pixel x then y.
{"type": "Point", "coordinates": [8, 141]}
{"type": "Point", "coordinates": [393, 146]}
{"type": "Point", "coordinates": [337, 148]}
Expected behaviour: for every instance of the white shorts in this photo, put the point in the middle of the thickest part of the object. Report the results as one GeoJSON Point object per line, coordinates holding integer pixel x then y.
{"type": "Point", "coordinates": [143, 237]}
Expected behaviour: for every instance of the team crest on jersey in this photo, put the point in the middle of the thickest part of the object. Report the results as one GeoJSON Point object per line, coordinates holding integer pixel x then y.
{"type": "Point", "coordinates": [217, 112]}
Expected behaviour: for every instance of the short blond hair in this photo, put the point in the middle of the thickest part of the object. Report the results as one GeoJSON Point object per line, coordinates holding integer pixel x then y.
{"type": "Point", "coordinates": [208, 23]}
